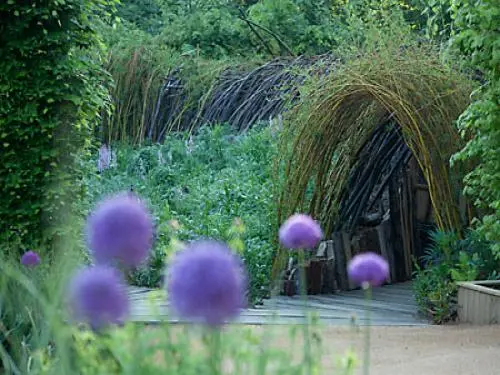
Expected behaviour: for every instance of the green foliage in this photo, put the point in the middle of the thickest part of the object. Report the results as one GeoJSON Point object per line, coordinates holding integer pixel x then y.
{"type": "Point", "coordinates": [477, 34]}
{"type": "Point", "coordinates": [17, 323]}
{"type": "Point", "coordinates": [233, 28]}
{"type": "Point", "coordinates": [208, 28]}
{"type": "Point", "coordinates": [146, 15]}
{"type": "Point", "coordinates": [30, 311]}
{"type": "Point", "coordinates": [362, 25]}
{"type": "Point", "coordinates": [185, 351]}
{"type": "Point", "coordinates": [446, 262]}
{"type": "Point", "coordinates": [302, 26]}
{"type": "Point", "coordinates": [478, 38]}
{"type": "Point", "coordinates": [200, 40]}
{"type": "Point", "coordinates": [438, 19]}
{"type": "Point", "coordinates": [204, 182]}
{"type": "Point", "coordinates": [51, 92]}
{"type": "Point", "coordinates": [274, 27]}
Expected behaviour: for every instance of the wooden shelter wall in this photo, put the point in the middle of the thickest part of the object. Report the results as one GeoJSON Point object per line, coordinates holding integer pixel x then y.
{"type": "Point", "coordinates": [400, 237]}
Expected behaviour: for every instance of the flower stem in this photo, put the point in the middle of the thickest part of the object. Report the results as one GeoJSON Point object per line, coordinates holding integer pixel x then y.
{"type": "Point", "coordinates": [368, 297]}
{"type": "Point", "coordinates": [215, 360]}
{"type": "Point", "coordinates": [303, 294]}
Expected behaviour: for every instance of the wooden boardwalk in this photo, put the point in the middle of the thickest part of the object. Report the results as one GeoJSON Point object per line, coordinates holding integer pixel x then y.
{"type": "Point", "coordinates": [392, 305]}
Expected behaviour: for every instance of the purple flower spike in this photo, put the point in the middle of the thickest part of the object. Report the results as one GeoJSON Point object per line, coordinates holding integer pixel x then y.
{"type": "Point", "coordinates": [120, 231]}
{"type": "Point", "coordinates": [368, 268]}
{"type": "Point", "coordinates": [98, 296]}
{"type": "Point", "coordinates": [300, 232]}
{"type": "Point", "coordinates": [30, 259]}
{"type": "Point", "coordinates": [104, 161]}
{"type": "Point", "coordinates": [206, 283]}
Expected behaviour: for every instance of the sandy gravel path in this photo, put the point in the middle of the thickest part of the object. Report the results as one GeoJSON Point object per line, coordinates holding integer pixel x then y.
{"type": "Point", "coordinates": [433, 350]}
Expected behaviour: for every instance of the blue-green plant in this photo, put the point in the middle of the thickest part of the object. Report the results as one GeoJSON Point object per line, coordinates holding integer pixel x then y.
{"type": "Point", "coordinates": [205, 182]}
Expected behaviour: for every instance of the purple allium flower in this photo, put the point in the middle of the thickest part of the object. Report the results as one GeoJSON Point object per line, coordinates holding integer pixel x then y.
{"type": "Point", "coordinates": [30, 259]}
{"type": "Point", "coordinates": [206, 283]}
{"type": "Point", "coordinates": [98, 296]}
{"type": "Point", "coordinates": [300, 232]}
{"type": "Point", "coordinates": [368, 268]}
{"type": "Point", "coordinates": [120, 231]}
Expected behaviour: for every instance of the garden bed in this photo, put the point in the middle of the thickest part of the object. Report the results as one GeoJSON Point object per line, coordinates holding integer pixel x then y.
{"type": "Point", "coordinates": [479, 302]}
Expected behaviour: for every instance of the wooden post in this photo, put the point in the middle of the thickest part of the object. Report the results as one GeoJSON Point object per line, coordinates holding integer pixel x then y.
{"type": "Point", "coordinates": [340, 262]}
{"type": "Point", "coordinates": [346, 241]}
{"type": "Point", "coordinates": [407, 225]}
{"type": "Point", "coordinates": [329, 276]}
{"type": "Point", "coordinates": [387, 248]}
{"type": "Point", "coordinates": [394, 204]}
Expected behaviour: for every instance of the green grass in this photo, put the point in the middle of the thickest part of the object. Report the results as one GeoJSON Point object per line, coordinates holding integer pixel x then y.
{"type": "Point", "coordinates": [204, 182]}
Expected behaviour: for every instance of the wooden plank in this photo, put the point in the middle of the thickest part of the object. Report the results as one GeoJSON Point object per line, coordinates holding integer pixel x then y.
{"type": "Point", "coordinates": [391, 305]}
{"type": "Point", "coordinates": [248, 320]}
{"type": "Point", "coordinates": [386, 307]}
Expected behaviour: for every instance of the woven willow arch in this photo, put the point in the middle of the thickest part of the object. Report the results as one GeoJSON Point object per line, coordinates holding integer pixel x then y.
{"type": "Point", "coordinates": [325, 132]}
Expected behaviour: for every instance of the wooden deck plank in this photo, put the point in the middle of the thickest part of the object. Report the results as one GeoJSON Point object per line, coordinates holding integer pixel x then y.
{"type": "Point", "coordinates": [391, 305]}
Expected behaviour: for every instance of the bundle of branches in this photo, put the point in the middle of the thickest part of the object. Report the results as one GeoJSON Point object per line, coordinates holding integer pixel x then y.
{"type": "Point", "coordinates": [138, 73]}
{"type": "Point", "coordinates": [379, 158]}
{"type": "Point", "coordinates": [183, 95]}
{"type": "Point", "coordinates": [243, 98]}
{"type": "Point", "coordinates": [172, 111]}
{"type": "Point", "coordinates": [321, 143]}
{"type": "Point", "coordinates": [156, 92]}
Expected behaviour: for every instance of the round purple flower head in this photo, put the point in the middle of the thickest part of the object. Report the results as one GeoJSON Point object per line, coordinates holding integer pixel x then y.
{"type": "Point", "coordinates": [300, 232]}
{"type": "Point", "coordinates": [120, 231]}
{"type": "Point", "coordinates": [206, 283]}
{"type": "Point", "coordinates": [368, 268]}
{"type": "Point", "coordinates": [98, 296]}
{"type": "Point", "coordinates": [30, 259]}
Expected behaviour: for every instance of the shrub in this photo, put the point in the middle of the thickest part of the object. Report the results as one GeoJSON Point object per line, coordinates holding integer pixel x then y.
{"type": "Point", "coordinates": [478, 39]}
{"type": "Point", "coordinates": [146, 15]}
{"type": "Point", "coordinates": [212, 30]}
{"type": "Point", "coordinates": [51, 92]}
{"type": "Point", "coordinates": [448, 260]}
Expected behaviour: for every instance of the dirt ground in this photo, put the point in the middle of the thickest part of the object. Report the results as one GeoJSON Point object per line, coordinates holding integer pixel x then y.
{"type": "Point", "coordinates": [411, 350]}
{"type": "Point", "coordinates": [434, 350]}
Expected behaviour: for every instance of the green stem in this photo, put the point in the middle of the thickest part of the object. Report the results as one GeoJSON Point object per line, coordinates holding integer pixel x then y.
{"type": "Point", "coordinates": [368, 298]}
{"type": "Point", "coordinates": [215, 351]}
{"type": "Point", "coordinates": [303, 294]}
